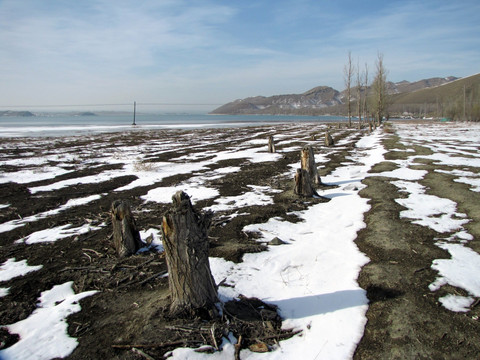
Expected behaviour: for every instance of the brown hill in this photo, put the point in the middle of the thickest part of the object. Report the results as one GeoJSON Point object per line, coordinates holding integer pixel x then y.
{"type": "Point", "coordinates": [448, 100]}
{"type": "Point", "coordinates": [301, 104]}
{"type": "Point", "coordinates": [326, 100]}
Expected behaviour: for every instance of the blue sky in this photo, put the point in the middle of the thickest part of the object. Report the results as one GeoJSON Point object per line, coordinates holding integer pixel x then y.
{"type": "Point", "coordinates": [212, 51]}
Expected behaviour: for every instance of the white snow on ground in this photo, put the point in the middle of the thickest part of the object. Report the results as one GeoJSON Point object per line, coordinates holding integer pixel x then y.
{"type": "Point", "coordinates": [312, 279]}
{"type": "Point", "coordinates": [432, 211]}
{"type": "Point", "coordinates": [474, 183]}
{"type": "Point", "coordinates": [158, 172]}
{"type": "Point", "coordinates": [196, 193]}
{"type": "Point", "coordinates": [10, 225]}
{"type": "Point", "coordinates": [458, 271]}
{"type": "Point", "coordinates": [193, 187]}
{"type": "Point", "coordinates": [26, 176]}
{"type": "Point", "coordinates": [57, 233]}
{"type": "Point", "coordinates": [466, 177]}
{"type": "Point", "coordinates": [93, 179]}
{"type": "Point", "coordinates": [440, 214]}
{"type": "Point", "coordinates": [11, 269]}
{"type": "Point", "coordinates": [24, 161]}
{"type": "Point", "coordinates": [456, 303]}
{"type": "Point", "coordinates": [43, 335]}
{"type": "Point", "coordinates": [4, 291]}
{"type": "Point", "coordinates": [258, 196]}
{"type": "Point", "coordinates": [161, 170]}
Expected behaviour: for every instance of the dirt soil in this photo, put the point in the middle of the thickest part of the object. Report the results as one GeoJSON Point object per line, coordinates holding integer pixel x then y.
{"type": "Point", "coordinates": [405, 319]}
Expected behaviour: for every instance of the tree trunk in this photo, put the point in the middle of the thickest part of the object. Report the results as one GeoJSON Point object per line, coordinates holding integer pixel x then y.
{"type": "Point", "coordinates": [126, 237]}
{"type": "Point", "coordinates": [185, 239]}
{"type": "Point", "coordinates": [328, 139]}
{"type": "Point", "coordinates": [303, 184]}
{"type": "Point", "coordinates": [307, 162]}
{"type": "Point", "coordinates": [271, 144]}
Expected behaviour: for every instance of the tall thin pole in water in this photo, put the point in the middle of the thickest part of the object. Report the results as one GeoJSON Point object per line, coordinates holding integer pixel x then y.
{"type": "Point", "coordinates": [134, 110]}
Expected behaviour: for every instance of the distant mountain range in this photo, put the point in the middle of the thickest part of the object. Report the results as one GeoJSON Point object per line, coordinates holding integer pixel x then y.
{"type": "Point", "coordinates": [28, 113]}
{"type": "Point", "coordinates": [16, 113]}
{"type": "Point", "coordinates": [317, 101]}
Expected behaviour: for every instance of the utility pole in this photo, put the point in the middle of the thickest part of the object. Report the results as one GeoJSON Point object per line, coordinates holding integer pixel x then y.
{"type": "Point", "coordinates": [134, 110]}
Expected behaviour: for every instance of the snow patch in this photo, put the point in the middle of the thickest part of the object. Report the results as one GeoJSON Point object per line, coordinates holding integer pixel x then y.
{"type": "Point", "coordinates": [11, 269]}
{"type": "Point", "coordinates": [43, 335]}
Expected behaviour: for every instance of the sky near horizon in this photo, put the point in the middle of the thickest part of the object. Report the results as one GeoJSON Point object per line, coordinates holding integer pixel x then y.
{"type": "Point", "coordinates": [56, 52]}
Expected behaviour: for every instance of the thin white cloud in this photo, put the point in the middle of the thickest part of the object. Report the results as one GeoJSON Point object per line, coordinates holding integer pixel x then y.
{"type": "Point", "coordinates": [211, 51]}
{"type": "Point", "coordinates": [113, 39]}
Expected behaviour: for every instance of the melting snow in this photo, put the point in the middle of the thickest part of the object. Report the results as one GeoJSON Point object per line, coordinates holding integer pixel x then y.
{"type": "Point", "coordinates": [43, 335]}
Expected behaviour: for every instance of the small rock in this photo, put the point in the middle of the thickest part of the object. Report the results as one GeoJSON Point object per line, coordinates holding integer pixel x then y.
{"type": "Point", "coordinates": [259, 347]}
{"type": "Point", "coordinates": [276, 241]}
{"type": "Point", "coordinates": [149, 239]}
{"type": "Point", "coordinates": [268, 315]}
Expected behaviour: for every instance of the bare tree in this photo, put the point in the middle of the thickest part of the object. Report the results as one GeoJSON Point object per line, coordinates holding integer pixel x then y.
{"type": "Point", "coordinates": [359, 93]}
{"type": "Point", "coordinates": [365, 92]}
{"type": "Point", "coordinates": [379, 88]}
{"type": "Point", "coordinates": [348, 75]}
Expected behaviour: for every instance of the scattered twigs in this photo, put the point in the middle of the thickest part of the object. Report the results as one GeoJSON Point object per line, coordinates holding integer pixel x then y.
{"type": "Point", "coordinates": [141, 353]}
{"type": "Point", "coordinates": [135, 267]}
{"type": "Point", "coordinates": [238, 347]}
{"type": "Point", "coordinates": [94, 251]}
{"type": "Point", "coordinates": [285, 335]}
{"type": "Point", "coordinates": [89, 257]}
{"type": "Point", "coordinates": [181, 328]}
{"type": "Point", "coordinates": [420, 270]}
{"type": "Point", "coordinates": [93, 233]}
{"type": "Point", "coordinates": [141, 282]}
{"type": "Point", "coordinates": [148, 346]}
{"type": "Point", "coordinates": [212, 334]}
{"type": "Point", "coordinates": [88, 268]}
{"type": "Point", "coordinates": [153, 276]}
{"type": "Point", "coordinates": [475, 303]}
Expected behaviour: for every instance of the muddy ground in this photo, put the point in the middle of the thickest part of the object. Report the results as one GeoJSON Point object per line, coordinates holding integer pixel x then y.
{"type": "Point", "coordinates": [405, 319]}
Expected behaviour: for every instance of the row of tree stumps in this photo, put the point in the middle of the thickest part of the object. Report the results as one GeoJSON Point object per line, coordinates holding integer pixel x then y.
{"type": "Point", "coordinates": [185, 239]}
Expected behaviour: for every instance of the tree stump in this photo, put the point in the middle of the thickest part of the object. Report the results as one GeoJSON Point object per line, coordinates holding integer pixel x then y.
{"type": "Point", "coordinates": [271, 144]}
{"type": "Point", "coordinates": [328, 139]}
{"type": "Point", "coordinates": [126, 237]}
{"type": "Point", "coordinates": [303, 184]}
{"type": "Point", "coordinates": [185, 239]}
{"type": "Point", "coordinates": [307, 161]}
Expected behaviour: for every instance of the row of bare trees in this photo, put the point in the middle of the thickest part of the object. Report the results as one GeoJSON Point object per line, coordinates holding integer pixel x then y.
{"type": "Point", "coordinates": [370, 99]}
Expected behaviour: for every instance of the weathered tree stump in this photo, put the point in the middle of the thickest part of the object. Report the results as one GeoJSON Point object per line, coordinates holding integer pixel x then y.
{"type": "Point", "coordinates": [185, 239]}
{"type": "Point", "coordinates": [307, 162]}
{"type": "Point", "coordinates": [271, 144]}
{"type": "Point", "coordinates": [328, 139]}
{"type": "Point", "coordinates": [303, 184]}
{"type": "Point", "coordinates": [126, 237]}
